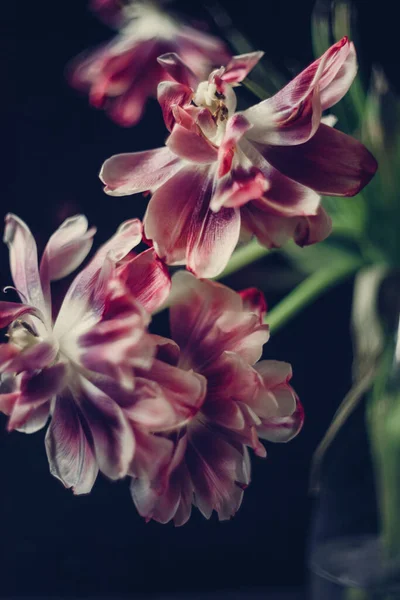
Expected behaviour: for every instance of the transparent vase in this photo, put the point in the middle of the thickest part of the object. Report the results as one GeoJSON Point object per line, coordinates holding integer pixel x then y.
{"type": "Point", "coordinates": [355, 546]}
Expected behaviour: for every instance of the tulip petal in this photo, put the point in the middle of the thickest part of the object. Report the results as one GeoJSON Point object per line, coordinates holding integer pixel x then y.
{"type": "Point", "coordinates": [216, 468]}
{"type": "Point", "coordinates": [177, 69]}
{"type": "Point", "coordinates": [119, 341]}
{"type": "Point", "coordinates": [331, 162]}
{"type": "Point", "coordinates": [188, 231]}
{"type": "Point", "coordinates": [36, 390]}
{"type": "Point", "coordinates": [11, 311]}
{"type": "Point", "coordinates": [277, 121]}
{"type": "Point", "coordinates": [339, 73]}
{"type": "Point", "coordinates": [69, 447]}
{"type": "Point", "coordinates": [292, 116]}
{"type": "Point", "coordinates": [170, 95]}
{"type": "Point", "coordinates": [236, 127]}
{"type": "Point", "coordinates": [210, 250]}
{"type": "Point", "coordinates": [87, 294]}
{"type": "Point", "coordinates": [183, 390]}
{"type": "Point", "coordinates": [113, 438]}
{"type": "Point", "coordinates": [240, 66]}
{"type": "Point", "coordinates": [34, 357]}
{"type": "Point", "coordinates": [24, 262]}
{"type": "Point", "coordinates": [313, 229]}
{"type": "Point", "coordinates": [282, 429]}
{"type": "Point", "coordinates": [67, 248]}
{"type": "Point", "coordinates": [36, 420]}
{"type": "Point", "coordinates": [274, 372]}
{"type": "Point", "coordinates": [168, 491]}
{"type": "Point", "coordinates": [131, 173]}
{"type": "Point", "coordinates": [254, 301]}
{"type": "Point", "coordinates": [191, 145]}
{"type": "Point", "coordinates": [271, 231]}
{"type": "Point", "coordinates": [151, 410]}
{"type": "Point", "coordinates": [238, 187]}
{"type": "Point", "coordinates": [284, 196]}
{"type": "Point", "coordinates": [147, 279]}
{"type": "Point", "coordinates": [217, 321]}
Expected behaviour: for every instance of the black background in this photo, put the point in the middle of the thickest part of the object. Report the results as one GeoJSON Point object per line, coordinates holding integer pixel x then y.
{"type": "Point", "coordinates": [53, 146]}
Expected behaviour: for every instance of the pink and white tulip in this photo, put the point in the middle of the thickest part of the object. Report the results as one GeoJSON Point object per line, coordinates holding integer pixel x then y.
{"type": "Point", "coordinates": [260, 170]}
{"type": "Point", "coordinates": [123, 74]}
{"type": "Point", "coordinates": [80, 368]}
{"type": "Point", "coordinates": [217, 334]}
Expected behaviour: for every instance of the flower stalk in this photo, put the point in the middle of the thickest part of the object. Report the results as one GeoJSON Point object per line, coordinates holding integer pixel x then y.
{"type": "Point", "coordinates": [310, 289]}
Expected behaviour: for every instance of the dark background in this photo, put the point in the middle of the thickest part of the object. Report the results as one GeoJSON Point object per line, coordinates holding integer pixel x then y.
{"type": "Point", "coordinates": [53, 146]}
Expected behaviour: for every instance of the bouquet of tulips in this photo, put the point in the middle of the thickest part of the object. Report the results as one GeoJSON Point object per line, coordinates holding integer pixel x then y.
{"type": "Point", "coordinates": [181, 415]}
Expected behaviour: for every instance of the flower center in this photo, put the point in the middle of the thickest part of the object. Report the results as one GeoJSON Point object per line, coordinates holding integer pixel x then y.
{"type": "Point", "coordinates": [23, 335]}
{"type": "Point", "coordinates": [220, 102]}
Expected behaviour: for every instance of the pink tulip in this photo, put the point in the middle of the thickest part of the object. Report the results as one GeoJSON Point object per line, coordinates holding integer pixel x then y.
{"type": "Point", "coordinates": [261, 170]}
{"type": "Point", "coordinates": [217, 334]}
{"type": "Point", "coordinates": [83, 368]}
{"type": "Point", "coordinates": [123, 74]}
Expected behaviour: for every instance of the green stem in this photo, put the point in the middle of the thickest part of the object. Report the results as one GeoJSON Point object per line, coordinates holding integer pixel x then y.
{"type": "Point", "coordinates": [312, 287]}
{"type": "Point", "coordinates": [244, 256]}
{"type": "Point", "coordinates": [356, 594]}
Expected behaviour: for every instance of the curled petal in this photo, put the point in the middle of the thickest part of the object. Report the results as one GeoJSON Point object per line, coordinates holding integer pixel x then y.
{"type": "Point", "coordinates": [254, 301]}
{"type": "Point", "coordinates": [285, 428]}
{"type": "Point", "coordinates": [177, 69]}
{"type": "Point", "coordinates": [240, 66]}
{"type": "Point", "coordinates": [277, 404]}
{"type": "Point", "coordinates": [235, 129]}
{"type": "Point", "coordinates": [339, 72]}
{"type": "Point", "coordinates": [36, 419]}
{"type": "Point", "coordinates": [167, 350]}
{"type": "Point", "coordinates": [292, 116]}
{"type": "Point", "coordinates": [331, 163]}
{"type": "Point", "coordinates": [147, 279]}
{"type": "Point", "coordinates": [313, 229]}
{"type": "Point", "coordinates": [24, 262]}
{"type": "Point", "coordinates": [274, 372]}
{"type": "Point", "coordinates": [125, 174]}
{"type": "Point", "coordinates": [238, 187]}
{"type": "Point", "coordinates": [67, 248]}
{"type": "Point", "coordinates": [170, 95]}
{"type": "Point", "coordinates": [11, 311]}
{"type": "Point", "coordinates": [69, 447]}
{"type": "Point", "coordinates": [281, 121]}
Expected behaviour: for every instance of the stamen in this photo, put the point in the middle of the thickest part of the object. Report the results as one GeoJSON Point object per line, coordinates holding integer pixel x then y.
{"type": "Point", "coordinates": [14, 289]}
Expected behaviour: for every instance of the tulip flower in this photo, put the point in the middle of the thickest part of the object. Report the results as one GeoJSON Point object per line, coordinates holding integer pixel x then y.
{"type": "Point", "coordinates": [217, 334]}
{"type": "Point", "coordinates": [261, 170]}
